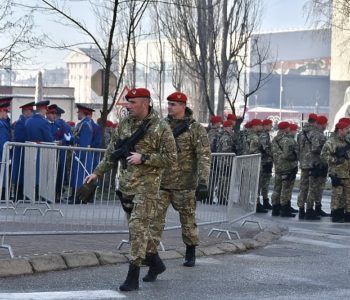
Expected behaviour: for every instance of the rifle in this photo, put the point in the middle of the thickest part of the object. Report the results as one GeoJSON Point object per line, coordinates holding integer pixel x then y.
{"type": "Point", "coordinates": [124, 146]}
{"type": "Point", "coordinates": [182, 128]}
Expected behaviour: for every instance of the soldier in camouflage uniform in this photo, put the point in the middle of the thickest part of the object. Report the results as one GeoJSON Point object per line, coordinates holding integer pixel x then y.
{"type": "Point", "coordinates": [139, 178]}
{"type": "Point", "coordinates": [226, 144]}
{"type": "Point", "coordinates": [214, 132]}
{"type": "Point", "coordinates": [336, 153]}
{"type": "Point", "coordinates": [243, 137]}
{"type": "Point", "coordinates": [286, 167]}
{"type": "Point", "coordinates": [235, 133]}
{"type": "Point", "coordinates": [187, 178]}
{"type": "Point", "coordinates": [266, 162]}
{"type": "Point", "coordinates": [318, 172]}
{"type": "Point", "coordinates": [253, 146]}
{"type": "Point", "coordinates": [304, 152]}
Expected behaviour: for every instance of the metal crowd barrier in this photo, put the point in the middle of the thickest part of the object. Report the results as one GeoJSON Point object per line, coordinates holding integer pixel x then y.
{"type": "Point", "coordinates": [41, 180]}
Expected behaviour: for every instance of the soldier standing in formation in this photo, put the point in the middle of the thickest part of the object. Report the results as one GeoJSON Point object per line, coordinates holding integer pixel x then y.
{"type": "Point", "coordinates": [285, 159]}
{"type": "Point", "coordinates": [266, 163]}
{"type": "Point", "coordinates": [214, 132]}
{"type": "Point", "coordinates": [5, 136]}
{"type": "Point", "coordinates": [336, 153]}
{"type": "Point", "coordinates": [139, 182]}
{"type": "Point", "coordinates": [304, 152]}
{"type": "Point", "coordinates": [179, 184]}
{"type": "Point", "coordinates": [18, 155]}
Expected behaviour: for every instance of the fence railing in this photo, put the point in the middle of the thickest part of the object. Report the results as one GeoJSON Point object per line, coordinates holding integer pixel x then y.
{"type": "Point", "coordinates": [41, 180]}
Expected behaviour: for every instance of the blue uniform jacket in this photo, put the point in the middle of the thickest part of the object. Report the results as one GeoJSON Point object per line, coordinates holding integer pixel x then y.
{"type": "Point", "coordinates": [38, 129]}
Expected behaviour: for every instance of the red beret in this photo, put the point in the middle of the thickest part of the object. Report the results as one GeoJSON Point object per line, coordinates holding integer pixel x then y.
{"type": "Point", "coordinates": [231, 117]}
{"type": "Point", "coordinates": [109, 124]}
{"type": "Point", "coordinates": [345, 120]}
{"type": "Point", "coordinates": [215, 119]}
{"type": "Point", "coordinates": [322, 120]}
{"type": "Point", "coordinates": [247, 125]}
{"type": "Point", "coordinates": [70, 123]}
{"type": "Point", "coordinates": [313, 116]}
{"type": "Point", "coordinates": [293, 127]}
{"type": "Point", "coordinates": [283, 125]}
{"type": "Point", "coordinates": [227, 123]}
{"type": "Point", "coordinates": [341, 125]}
{"type": "Point", "coordinates": [255, 122]}
{"type": "Point", "coordinates": [267, 122]}
{"type": "Point", "coordinates": [138, 93]}
{"type": "Point", "coordinates": [177, 97]}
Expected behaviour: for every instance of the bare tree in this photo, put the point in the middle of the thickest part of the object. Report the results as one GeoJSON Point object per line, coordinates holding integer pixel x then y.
{"type": "Point", "coordinates": [16, 34]}
{"type": "Point", "coordinates": [117, 22]}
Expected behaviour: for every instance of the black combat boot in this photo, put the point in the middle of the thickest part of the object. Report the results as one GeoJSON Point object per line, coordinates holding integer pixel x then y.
{"type": "Point", "coordinates": [292, 210]}
{"type": "Point", "coordinates": [131, 282]}
{"type": "Point", "coordinates": [347, 217]}
{"type": "Point", "coordinates": [266, 204]}
{"type": "Point", "coordinates": [337, 215]}
{"type": "Point", "coordinates": [301, 213]}
{"type": "Point", "coordinates": [148, 259]}
{"type": "Point", "coordinates": [311, 215]}
{"type": "Point", "coordinates": [276, 210]}
{"type": "Point", "coordinates": [260, 208]}
{"type": "Point", "coordinates": [285, 211]}
{"type": "Point", "coordinates": [319, 212]}
{"type": "Point", "coordinates": [190, 257]}
{"type": "Point", "coordinates": [156, 267]}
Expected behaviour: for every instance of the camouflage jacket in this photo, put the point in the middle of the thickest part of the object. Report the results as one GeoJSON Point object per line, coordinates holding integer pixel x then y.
{"type": "Point", "coordinates": [265, 147]}
{"type": "Point", "coordinates": [228, 142]}
{"type": "Point", "coordinates": [253, 144]}
{"type": "Point", "coordinates": [304, 146]}
{"type": "Point", "coordinates": [158, 144]}
{"type": "Point", "coordinates": [243, 137]}
{"type": "Point", "coordinates": [318, 139]}
{"type": "Point", "coordinates": [336, 166]}
{"type": "Point", "coordinates": [284, 153]}
{"type": "Point", "coordinates": [214, 135]}
{"type": "Point", "coordinates": [194, 157]}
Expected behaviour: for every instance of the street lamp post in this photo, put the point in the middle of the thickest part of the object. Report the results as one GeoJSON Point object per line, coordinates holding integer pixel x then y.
{"type": "Point", "coordinates": [281, 89]}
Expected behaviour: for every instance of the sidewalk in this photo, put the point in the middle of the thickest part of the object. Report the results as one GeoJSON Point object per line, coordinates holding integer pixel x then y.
{"type": "Point", "coordinates": [57, 252]}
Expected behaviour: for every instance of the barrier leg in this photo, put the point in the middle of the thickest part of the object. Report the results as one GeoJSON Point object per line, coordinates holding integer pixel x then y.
{"type": "Point", "coordinates": [8, 247]}
{"type": "Point", "coordinates": [226, 231]}
{"type": "Point", "coordinates": [250, 221]}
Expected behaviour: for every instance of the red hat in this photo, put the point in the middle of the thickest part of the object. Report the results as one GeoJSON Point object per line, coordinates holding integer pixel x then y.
{"type": "Point", "coordinates": [138, 93]}
{"type": "Point", "coordinates": [215, 119]}
{"type": "Point", "coordinates": [313, 117]}
{"type": "Point", "coordinates": [227, 123]}
{"type": "Point", "coordinates": [341, 125]}
{"type": "Point", "coordinates": [177, 97]}
{"type": "Point", "coordinates": [28, 106]}
{"type": "Point", "coordinates": [345, 120]}
{"type": "Point", "coordinates": [322, 120]}
{"type": "Point", "coordinates": [255, 122]}
{"type": "Point", "coordinates": [283, 125]}
{"type": "Point", "coordinates": [70, 123]}
{"type": "Point", "coordinates": [293, 127]}
{"type": "Point", "coordinates": [267, 122]}
{"type": "Point", "coordinates": [247, 125]}
{"type": "Point", "coordinates": [231, 117]}
{"type": "Point", "coordinates": [109, 124]}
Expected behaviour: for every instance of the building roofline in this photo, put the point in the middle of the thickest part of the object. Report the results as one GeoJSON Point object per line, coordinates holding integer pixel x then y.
{"type": "Point", "coordinates": [289, 30]}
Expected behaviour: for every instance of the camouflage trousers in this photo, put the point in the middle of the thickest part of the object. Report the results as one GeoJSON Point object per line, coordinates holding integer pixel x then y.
{"type": "Point", "coordinates": [182, 201]}
{"type": "Point", "coordinates": [282, 190]}
{"type": "Point", "coordinates": [304, 187]}
{"type": "Point", "coordinates": [264, 183]}
{"type": "Point", "coordinates": [341, 195]}
{"type": "Point", "coordinates": [316, 186]}
{"type": "Point", "coordinates": [143, 212]}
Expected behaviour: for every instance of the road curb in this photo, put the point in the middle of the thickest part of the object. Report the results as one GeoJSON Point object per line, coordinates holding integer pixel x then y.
{"type": "Point", "coordinates": [72, 260]}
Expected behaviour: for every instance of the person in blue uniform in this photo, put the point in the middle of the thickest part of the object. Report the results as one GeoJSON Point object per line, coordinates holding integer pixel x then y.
{"type": "Point", "coordinates": [37, 127]}
{"type": "Point", "coordinates": [96, 141]}
{"type": "Point", "coordinates": [5, 136]}
{"type": "Point", "coordinates": [18, 155]}
{"type": "Point", "coordinates": [83, 138]}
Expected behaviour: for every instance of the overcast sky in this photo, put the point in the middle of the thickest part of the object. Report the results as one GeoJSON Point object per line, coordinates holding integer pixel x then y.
{"type": "Point", "coordinates": [277, 15]}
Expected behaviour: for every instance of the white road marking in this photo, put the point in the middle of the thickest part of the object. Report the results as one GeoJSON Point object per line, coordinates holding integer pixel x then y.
{"type": "Point", "coordinates": [71, 295]}
{"type": "Point", "coordinates": [208, 260]}
{"type": "Point", "coordinates": [299, 240]}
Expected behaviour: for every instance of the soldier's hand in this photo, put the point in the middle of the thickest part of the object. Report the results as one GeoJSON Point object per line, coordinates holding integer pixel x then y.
{"type": "Point", "coordinates": [90, 178]}
{"type": "Point", "coordinates": [202, 192]}
{"type": "Point", "coordinates": [134, 158]}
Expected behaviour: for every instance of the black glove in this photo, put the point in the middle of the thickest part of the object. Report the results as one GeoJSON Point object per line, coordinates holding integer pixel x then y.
{"type": "Point", "coordinates": [86, 192]}
{"type": "Point", "coordinates": [341, 152]}
{"type": "Point", "coordinates": [201, 192]}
